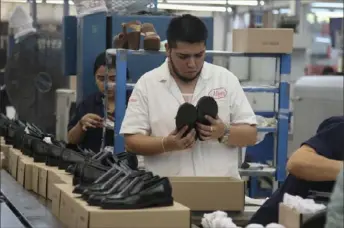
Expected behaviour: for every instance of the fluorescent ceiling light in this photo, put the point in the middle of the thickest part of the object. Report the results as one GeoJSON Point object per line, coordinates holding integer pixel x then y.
{"type": "Point", "coordinates": [58, 2]}
{"type": "Point", "coordinates": [193, 7]}
{"type": "Point", "coordinates": [327, 5]}
{"type": "Point", "coordinates": [327, 13]}
{"type": "Point", "coordinates": [16, 1]}
{"type": "Point", "coordinates": [215, 2]}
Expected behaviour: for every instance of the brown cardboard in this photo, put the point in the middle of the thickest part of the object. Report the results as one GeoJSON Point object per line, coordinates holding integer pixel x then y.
{"type": "Point", "coordinates": [35, 176]}
{"type": "Point", "coordinates": [55, 199]}
{"type": "Point", "coordinates": [290, 218]}
{"type": "Point", "coordinates": [21, 172]}
{"type": "Point", "coordinates": [5, 149]}
{"type": "Point", "coordinates": [75, 213]}
{"type": "Point", "coordinates": [263, 40]}
{"type": "Point", "coordinates": [53, 178]}
{"type": "Point", "coordinates": [66, 178]}
{"type": "Point", "coordinates": [24, 173]}
{"type": "Point", "coordinates": [13, 161]}
{"type": "Point", "coordinates": [209, 193]}
{"type": "Point", "coordinates": [42, 181]}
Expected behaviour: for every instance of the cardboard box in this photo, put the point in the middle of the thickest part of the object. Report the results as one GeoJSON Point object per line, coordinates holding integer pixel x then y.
{"type": "Point", "coordinates": [209, 193]}
{"type": "Point", "coordinates": [55, 199]}
{"type": "Point", "coordinates": [263, 40]}
{"type": "Point", "coordinates": [14, 155]}
{"type": "Point", "coordinates": [291, 218]}
{"type": "Point", "coordinates": [75, 213]}
{"type": "Point", "coordinates": [5, 149]}
{"type": "Point", "coordinates": [24, 175]}
{"type": "Point", "coordinates": [35, 176]}
{"type": "Point", "coordinates": [54, 177]}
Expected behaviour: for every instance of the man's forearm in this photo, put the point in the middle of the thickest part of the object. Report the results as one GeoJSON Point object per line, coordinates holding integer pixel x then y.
{"type": "Point", "coordinates": [144, 145]}
{"type": "Point", "coordinates": [242, 135]}
{"type": "Point", "coordinates": [75, 134]}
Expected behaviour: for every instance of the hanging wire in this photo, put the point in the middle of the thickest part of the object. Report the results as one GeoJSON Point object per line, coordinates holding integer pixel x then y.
{"type": "Point", "coordinates": [108, 62]}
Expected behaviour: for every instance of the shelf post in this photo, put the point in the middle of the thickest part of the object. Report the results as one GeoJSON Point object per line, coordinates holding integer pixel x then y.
{"type": "Point", "coordinates": [121, 91]}
{"type": "Point", "coordinates": [283, 117]}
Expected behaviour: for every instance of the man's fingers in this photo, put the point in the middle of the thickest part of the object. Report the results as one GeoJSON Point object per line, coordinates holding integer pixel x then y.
{"type": "Point", "coordinates": [182, 132]}
{"type": "Point", "coordinates": [211, 119]}
{"type": "Point", "coordinates": [203, 127]}
{"type": "Point", "coordinates": [204, 133]}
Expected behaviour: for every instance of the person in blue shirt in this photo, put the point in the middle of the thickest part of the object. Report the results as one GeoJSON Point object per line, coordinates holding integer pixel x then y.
{"type": "Point", "coordinates": [313, 167]}
{"type": "Point", "coordinates": [85, 126]}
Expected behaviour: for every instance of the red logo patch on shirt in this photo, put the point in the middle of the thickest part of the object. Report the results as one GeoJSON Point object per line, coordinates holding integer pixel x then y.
{"type": "Point", "coordinates": [132, 99]}
{"type": "Point", "coordinates": [218, 93]}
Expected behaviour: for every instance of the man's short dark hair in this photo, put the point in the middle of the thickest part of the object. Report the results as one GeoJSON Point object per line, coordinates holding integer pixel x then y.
{"type": "Point", "coordinates": [101, 61]}
{"type": "Point", "coordinates": [186, 28]}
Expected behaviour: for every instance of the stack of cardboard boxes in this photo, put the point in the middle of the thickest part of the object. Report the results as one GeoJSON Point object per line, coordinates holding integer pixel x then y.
{"type": "Point", "coordinates": [197, 193]}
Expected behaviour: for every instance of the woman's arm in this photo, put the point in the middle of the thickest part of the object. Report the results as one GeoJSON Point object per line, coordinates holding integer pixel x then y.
{"type": "Point", "coordinates": [76, 134]}
{"type": "Point", "coordinates": [306, 164]}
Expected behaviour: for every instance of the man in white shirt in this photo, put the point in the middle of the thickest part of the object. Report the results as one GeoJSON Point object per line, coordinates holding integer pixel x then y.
{"type": "Point", "coordinates": [149, 122]}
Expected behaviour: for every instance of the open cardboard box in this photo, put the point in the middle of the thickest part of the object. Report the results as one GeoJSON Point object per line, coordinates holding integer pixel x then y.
{"type": "Point", "coordinates": [209, 193]}
{"type": "Point", "coordinates": [291, 218]}
{"type": "Point", "coordinates": [263, 40]}
{"type": "Point", "coordinates": [75, 213]}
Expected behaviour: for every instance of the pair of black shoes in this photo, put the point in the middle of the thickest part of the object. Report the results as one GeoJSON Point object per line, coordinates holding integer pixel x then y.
{"type": "Point", "coordinates": [121, 187]}
{"type": "Point", "coordinates": [189, 115]}
{"type": "Point", "coordinates": [85, 173]}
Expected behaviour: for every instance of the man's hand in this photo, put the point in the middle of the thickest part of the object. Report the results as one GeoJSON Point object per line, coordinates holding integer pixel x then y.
{"type": "Point", "coordinates": [176, 141]}
{"type": "Point", "coordinates": [215, 131]}
{"type": "Point", "coordinates": [91, 120]}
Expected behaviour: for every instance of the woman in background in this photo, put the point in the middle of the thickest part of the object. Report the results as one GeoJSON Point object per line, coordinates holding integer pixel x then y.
{"type": "Point", "coordinates": [85, 126]}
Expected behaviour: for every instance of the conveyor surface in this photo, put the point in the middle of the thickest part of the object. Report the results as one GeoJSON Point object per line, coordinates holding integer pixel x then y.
{"type": "Point", "coordinates": [8, 218]}
{"type": "Point", "coordinates": [26, 204]}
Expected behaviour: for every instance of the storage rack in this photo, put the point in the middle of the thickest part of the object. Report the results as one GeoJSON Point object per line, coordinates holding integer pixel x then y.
{"type": "Point", "coordinates": [282, 112]}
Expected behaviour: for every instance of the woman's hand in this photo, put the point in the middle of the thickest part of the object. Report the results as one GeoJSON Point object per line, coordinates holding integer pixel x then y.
{"type": "Point", "coordinates": [91, 120]}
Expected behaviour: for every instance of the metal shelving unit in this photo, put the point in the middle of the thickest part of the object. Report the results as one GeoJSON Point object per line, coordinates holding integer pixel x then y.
{"type": "Point", "coordinates": [282, 112]}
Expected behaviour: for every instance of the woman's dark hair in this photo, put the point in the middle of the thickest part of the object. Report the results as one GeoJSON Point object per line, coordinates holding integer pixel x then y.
{"type": "Point", "coordinates": [186, 28]}
{"type": "Point", "coordinates": [101, 61]}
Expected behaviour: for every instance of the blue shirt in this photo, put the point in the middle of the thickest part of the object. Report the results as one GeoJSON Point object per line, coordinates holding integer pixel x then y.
{"type": "Point", "coordinates": [328, 142]}
{"type": "Point", "coordinates": [92, 139]}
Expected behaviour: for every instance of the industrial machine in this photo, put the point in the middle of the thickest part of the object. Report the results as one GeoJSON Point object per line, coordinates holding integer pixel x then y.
{"type": "Point", "coordinates": [315, 99]}
{"type": "Point", "coordinates": [32, 75]}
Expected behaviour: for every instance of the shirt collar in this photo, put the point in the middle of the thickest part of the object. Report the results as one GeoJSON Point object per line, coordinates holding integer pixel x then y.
{"type": "Point", "coordinates": [165, 75]}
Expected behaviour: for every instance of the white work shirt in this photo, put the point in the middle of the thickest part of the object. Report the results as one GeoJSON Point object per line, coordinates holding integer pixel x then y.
{"type": "Point", "coordinates": [152, 109]}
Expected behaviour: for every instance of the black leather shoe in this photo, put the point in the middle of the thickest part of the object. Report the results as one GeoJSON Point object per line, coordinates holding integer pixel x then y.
{"type": "Point", "coordinates": [88, 172]}
{"type": "Point", "coordinates": [4, 123]}
{"type": "Point", "coordinates": [158, 194]}
{"type": "Point", "coordinates": [130, 159]}
{"type": "Point", "coordinates": [96, 198]}
{"type": "Point", "coordinates": [80, 188]}
{"type": "Point", "coordinates": [103, 186]}
{"type": "Point", "coordinates": [27, 144]}
{"type": "Point", "coordinates": [40, 150]}
{"type": "Point", "coordinates": [206, 106]}
{"type": "Point", "coordinates": [186, 116]}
